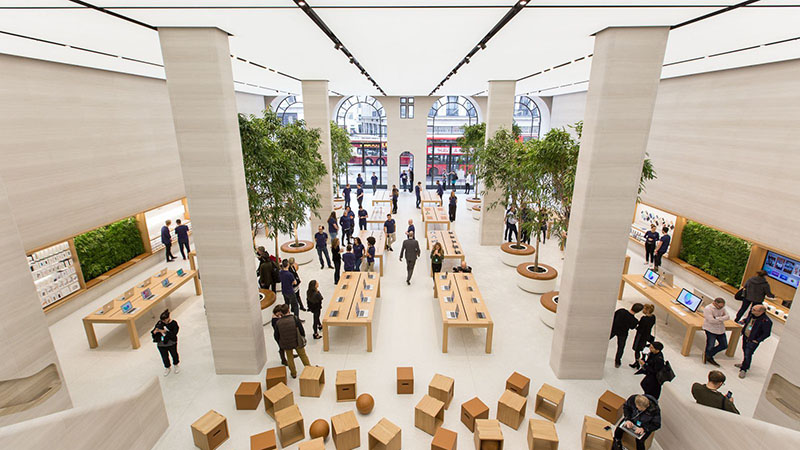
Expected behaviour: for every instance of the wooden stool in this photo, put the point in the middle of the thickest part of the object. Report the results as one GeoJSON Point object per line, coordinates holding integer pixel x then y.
{"type": "Point", "coordinates": [542, 435]}
{"type": "Point", "coordinates": [488, 435]}
{"type": "Point", "coordinates": [384, 436]}
{"type": "Point", "coordinates": [518, 383]}
{"type": "Point", "coordinates": [594, 435]}
{"type": "Point", "coordinates": [312, 380]}
{"type": "Point", "coordinates": [609, 406]}
{"type": "Point", "coordinates": [314, 444]}
{"type": "Point", "coordinates": [549, 402]}
{"type": "Point", "coordinates": [276, 375]}
{"type": "Point", "coordinates": [210, 431]}
{"type": "Point", "coordinates": [444, 439]}
{"type": "Point", "coordinates": [248, 396]}
{"type": "Point", "coordinates": [346, 431]}
{"type": "Point", "coordinates": [429, 414]}
{"type": "Point", "coordinates": [405, 380]}
{"type": "Point", "coordinates": [471, 410]}
{"type": "Point", "coordinates": [263, 441]}
{"type": "Point", "coordinates": [346, 386]}
{"type": "Point", "coordinates": [511, 409]}
{"type": "Point", "coordinates": [277, 398]}
{"type": "Point", "coordinates": [442, 388]}
{"type": "Point", "coordinates": [290, 425]}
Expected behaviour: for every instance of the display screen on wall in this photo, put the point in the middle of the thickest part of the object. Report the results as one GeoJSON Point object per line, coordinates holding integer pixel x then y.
{"type": "Point", "coordinates": [646, 216]}
{"type": "Point", "coordinates": [783, 269]}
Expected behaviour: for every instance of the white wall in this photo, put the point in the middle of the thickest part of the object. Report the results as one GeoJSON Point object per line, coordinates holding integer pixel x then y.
{"type": "Point", "coordinates": [406, 135]}
{"type": "Point", "coordinates": [567, 109]}
{"type": "Point", "coordinates": [250, 104]}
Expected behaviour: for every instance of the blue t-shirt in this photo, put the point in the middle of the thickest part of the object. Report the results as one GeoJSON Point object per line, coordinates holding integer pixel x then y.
{"type": "Point", "coordinates": [346, 192]}
{"type": "Point", "coordinates": [287, 278]}
{"type": "Point", "coordinates": [374, 180]}
{"type": "Point", "coordinates": [411, 228]}
{"type": "Point", "coordinates": [349, 261]}
{"type": "Point", "coordinates": [371, 254]}
{"type": "Point", "coordinates": [453, 201]}
{"type": "Point", "coordinates": [417, 190]}
{"type": "Point", "coordinates": [344, 221]}
{"type": "Point", "coordinates": [351, 215]}
{"type": "Point", "coordinates": [331, 225]}
{"type": "Point", "coordinates": [440, 190]}
{"type": "Point", "coordinates": [359, 192]}
{"type": "Point", "coordinates": [321, 238]}
{"type": "Point", "coordinates": [359, 180]}
{"type": "Point", "coordinates": [182, 231]}
{"type": "Point", "coordinates": [389, 225]}
{"type": "Point", "coordinates": [362, 215]}
{"type": "Point", "coordinates": [664, 244]}
{"type": "Point", "coordinates": [651, 237]}
{"type": "Point", "coordinates": [358, 250]}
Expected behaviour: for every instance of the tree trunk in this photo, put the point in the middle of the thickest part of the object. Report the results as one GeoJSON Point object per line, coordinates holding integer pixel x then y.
{"type": "Point", "coordinates": [296, 236]}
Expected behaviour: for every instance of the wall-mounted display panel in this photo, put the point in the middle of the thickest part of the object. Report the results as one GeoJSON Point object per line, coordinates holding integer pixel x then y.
{"type": "Point", "coordinates": [783, 269]}
{"type": "Point", "coordinates": [647, 215]}
{"type": "Point", "coordinates": [54, 273]}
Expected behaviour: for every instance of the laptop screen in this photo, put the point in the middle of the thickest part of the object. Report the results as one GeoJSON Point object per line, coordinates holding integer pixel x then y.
{"type": "Point", "coordinates": [126, 307]}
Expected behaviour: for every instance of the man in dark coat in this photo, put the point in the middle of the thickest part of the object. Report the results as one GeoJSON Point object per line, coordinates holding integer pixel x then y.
{"type": "Point", "coordinates": [624, 321]}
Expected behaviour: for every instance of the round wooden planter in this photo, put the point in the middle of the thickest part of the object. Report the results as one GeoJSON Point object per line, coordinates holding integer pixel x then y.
{"type": "Point", "coordinates": [476, 212]}
{"type": "Point", "coordinates": [338, 202]}
{"type": "Point", "coordinates": [302, 251]}
{"type": "Point", "coordinates": [536, 282]}
{"type": "Point", "coordinates": [549, 302]}
{"type": "Point", "coordinates": [473, 201]}
{"type": "Point", "coordinates": [266, 297]}
{"type": "Point", "coordinates": [515, 256]}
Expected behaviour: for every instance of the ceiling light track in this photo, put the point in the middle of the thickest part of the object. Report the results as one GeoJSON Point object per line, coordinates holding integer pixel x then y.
{"type": "Point", "coordinates": [712, 14]}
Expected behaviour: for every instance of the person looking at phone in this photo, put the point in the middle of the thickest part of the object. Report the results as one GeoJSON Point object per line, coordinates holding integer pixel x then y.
{"type": "Point", "coordinates": [709, 395]}
{"type": "Point", "coordinates": [165, 335]}
{"type": "Point", "coordinates": [641, 416]}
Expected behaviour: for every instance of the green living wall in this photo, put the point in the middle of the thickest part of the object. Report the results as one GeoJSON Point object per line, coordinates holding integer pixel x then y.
{"type": "Point", "coordinates": [107, 247]}
{"type": "Point", "coordinates": [714, 252]}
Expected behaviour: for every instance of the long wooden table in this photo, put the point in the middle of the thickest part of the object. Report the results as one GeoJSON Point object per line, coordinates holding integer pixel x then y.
{"type": "Point", "coordinates": [452, 248]}
{"type": "Point", "coordinates": [351, 296]}
{"type": "Point", "coordinates": [435, 217]}
{"type": "Point", "coordinates": [664, 297]}
{"type": "Point", "coordinates": [378, 215]}
{"type": "Point", "coordinates": [383, 196]}
{"type": "Point", "coordinates": [115, 314]}
{"type": "Point", "coordinates": [467, 300]}
{"type": "Point", "coordinates": [430, 197]}
{"type": "Point", "coordinates": [380, 244]}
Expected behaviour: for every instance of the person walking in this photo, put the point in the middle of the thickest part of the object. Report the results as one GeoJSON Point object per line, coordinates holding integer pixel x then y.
{"type": "Point", "coordinates": [374, 180]}
{"type": "Point", "coordinates": [624, 321]}
{"type": "Point", "coordinates": [404, 180]}
{"type": "Point", "coordinates": [714, 317]}
{"type": "Point", "coordinates": [165, 335]}
{"type": "Point", "coordinates": [287, 287]}
{"type": "Point", "coordinates": [314, 302]}
{"type": "Point", "coordinates": [542, 234]}
{"type": "Point", "coordinates": [650, 239]}
{"type": "Point", "coordinates": [644, 333]}
{"type": "Point", "coordinates": [661, 247]}
{"type": "Point", "coordinates": [453, 179]}
{"type": "Point", "coordinates": [410, 249]}
{"type": "Point", "coordinates": [437, 258]}
{"type": "Point", "coordinates": [453, 206]}
{"type": "Point", "coordinates": [358, 252]}
{"type": "Point", "coordinates": [360, 196]}
{"type": "Point", "coordinates": [321, 239]}
{"type": "Point", "coordinates": [182, 233]}
{"type": "Point", "coordinates": [439, 189]}
{"type": "Point", "coordinates": [755, 289]}
{"type": "Point", "coordinates": [294, 268]}
{"type": "Point", "coordinates": [349, 259]}
{"type": "Point", "coordinates": [651, 366]}
{"type": "Point", "coordinates": [333, 226]}
{"type": "Point", "coordinates": [166, 239]}
{"type": "Point", "coordinates": [347, 227]}
{"type": "Point", "coordinates": [411, 227]}
{"type": "Point", "coordinates": [641, 415]}
{"type": "Point", "coordinates": [418, 193]}
{"type": "Point", "coordinates": [277, 313]}
{"type": "Point", "coordinates": [346, 192]}
{"type": "Point", "coordinates": [410, 178]}
{"type": "Point", "coordinates": [336, 255]}
{"type": "Point", "coordinates": [362, 218]}
{"type": "Point", "coordinates": [291, 339]}
{"type": "Point", "coordinates": [371, 254]}
{"type": "Point", "coordinates": [395, 195]}
{"type": "Point", "coordinates": [757, 327]}
{"type": "Point", "coordinates": [359, 180]}
{"type": "Point", "coordinates": [708, 394]}
{"type": "Point", "coordinates": [389, 229]}
{"type": "Point", "coordinates": [467, 187]}
{"type": "Point", "coordinates": [511, 223]}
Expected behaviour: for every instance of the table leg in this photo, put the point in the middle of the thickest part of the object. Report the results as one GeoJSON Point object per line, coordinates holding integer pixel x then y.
{"type": "Point", "coordinates": [736, 333]}
{"type": "Point", "coordinates": [379, 287]}
{"type": "Point", "coordinates": [688, 338]}
{"type": "Point", "coordinates": [489, 334]}
{"type": "Point", "coordinates": [134, 335]}
{"type": "Point", "coordinates": [621, 289]}
{"type": "Point", "coordinates": [325, 339]}
{"type": "Point", "coordinates": [369, 337]}
{"type": "Point", "coordinates": [198, 290]}
{"type": "Point", "coordinates": [381, 258]}
{"type": "Point", "coordinates": [445, 330]}
{"type": "Point", "coordinates": [90, 336]}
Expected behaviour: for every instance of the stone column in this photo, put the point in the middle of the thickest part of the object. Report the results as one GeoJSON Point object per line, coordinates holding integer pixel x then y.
{"type": "Point", "coordinates": [499, 114]}
{"type": "Point", "coordinates": [200, 86]}
{"type": "Point", "coordinates": [626, 69]}
{"type": "Point", "coordinates": [26, 347]}
{"type": "Point", "coordinates": [317, 114]}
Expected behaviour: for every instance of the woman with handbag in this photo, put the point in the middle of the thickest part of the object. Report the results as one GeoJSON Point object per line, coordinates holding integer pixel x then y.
{"type": "Point", "coordinates": [165, 335]}
{"type": "Point", "coordinates": [291, 339]}
{"type": "Point", "coordinates": [314, 301]}
{"type": "Point", "coordinates": [644, 332]}
{"type": "Point", "coordinates": [651, 366]}
{"type": "Point", "coordinates": [293, 268]}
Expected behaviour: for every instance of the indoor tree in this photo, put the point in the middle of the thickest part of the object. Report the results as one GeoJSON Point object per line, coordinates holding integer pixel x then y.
{"type": "Point", "coordinates": [341, 153]}
{"type": "Point", "coordinates": [282, 168]}
{"type": "Point", "coordinates": [473, 139]}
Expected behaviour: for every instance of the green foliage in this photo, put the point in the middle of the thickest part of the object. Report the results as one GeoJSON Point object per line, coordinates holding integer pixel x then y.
{"type": "Point", "coordinates": [107, 247]}
{"type": "Point", "coordinates": [341, 152]}
{"type": "Point", "coordinates": [559, 159]}
{"type": "Point", "coordinates": [282, 168]}
{"type": "Point", "coordinates": [474, 138]}
{"type": "Point", "coordinates": [714, 252]}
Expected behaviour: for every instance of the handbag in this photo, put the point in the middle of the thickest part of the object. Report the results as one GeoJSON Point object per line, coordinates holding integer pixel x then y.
{"type": "Point", "coordinates": [301, 340]}
{"type": "Point", "coordinates": [740, 294]}
{"type": "Point", "coordinates": [666, 373]}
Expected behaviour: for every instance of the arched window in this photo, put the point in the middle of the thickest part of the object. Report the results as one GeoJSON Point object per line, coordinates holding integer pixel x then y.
{"type": "Point", "coordinates": [290, 109]}
{"type": "Point", "coordinates": [447, 118]}
{"type": "Point", "coordinates": [527, 117]}
{"type": "Point", "coordinates": [364, 119]}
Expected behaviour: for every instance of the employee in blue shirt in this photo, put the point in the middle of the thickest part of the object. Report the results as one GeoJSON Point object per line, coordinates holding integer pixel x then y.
{"type": "Point", "coordinates": [349, 260]}
{"type": "Point", "coordinates": [439, 189]}
{"type": "Point", "coordinates": [395, 195]}
{"type": "Point", "coordinates": [359, 180]}
{"type": "Point", "coordinates": [333, 227]}
{"type": "Point", "coordinates": [358, 252]}
{"type": "Point", "coordinates": [288, 281]}
{"type": "Point", "coordinates": [346, 193]}
{"type": "Point", "coordinates": [453, 206]}
{"type": "Point", "coordinates": [347, 227]}
{"type": "Point", "coordinates": [650, 239]}
{"type": "Point", "coordinates": [411, 227]}
{"type": "Point", "coordinates": [182, 232]}
{"type": "Point", "coordinates": [389, 229]}
{"type": "Point", "coordinates": [371, 254]}
{"type": "Point", "coordinates": [360, 195]}
{"type": "Point", "coordinates": [322, 247]}
{"type": "Point", "coordinates": [362, 218]}
{"type": "Point", "coordinates": [404, 179]}
{"type": "Point", "coordinates": [166, 239]}
{"type": "Point", "coordinates": [418, 193]}
{"type": "Point", "coordinates": [374, 180]}
{"type": "Point", "coordinates": [661, 247]}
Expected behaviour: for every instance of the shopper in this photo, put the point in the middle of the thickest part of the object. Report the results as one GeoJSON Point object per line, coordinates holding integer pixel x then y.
{"type": "Point", "coordinates": [288, 283]}
{"type": "Point", "coordinates": [346, 193]}
{"type": "Point", "coordinates": [389, 229]}
{"type": "Point", "coordinates": [360, 196]}
{"type": "Point", "coordinates": [525, 225]}
{"type": "Point", "coordinates": [624, 321]}
{"type": "Point", "coordinates": [410, 249]}
{"type": "Point", "coordinates": [418, 193]}
{"type": "Point", "coordinates": [467, 187]}
{"type": "Point", "coordinates": [757, 327]}
{"type": "Point", "coordinates": [166, 239]}
{"type": "Point", "coordinates": [277, 313]}
{"type": "Point", "coordinates": [182, 233]}
{"type": "Point", "coordinates": [453, 179]}
{"type": "Point", "coordinates": [439, 189]}
{"type": "Point", "coordinates": [453, 205]}
{"type": "Point", "coordinates": [336, 255]}
{"type": "Point", "coordinates": [349, 259]}
{"type": "Point", "coordinates": [437, 258]}
{"type": "Point", "coordinates": [374, 179]}
{"type": "Point", "coordinates": [511, 224]}
{"type": "Point", "coordinates": [651, 366]}
{"type": "Point", "coordinates": [347, 226]}
{"type": "Point", "coordinates": [755, 289]}
{"type": "Point", "coordinates": [650, 239]}
{"type": "Point", "coordinates": [644, 333]}
{"type": "Point", "coordinates": [395, 195]}
{"type": "Point", "coordinates": [371, 254]}
{"type": "Point", "coordinates": [641, 415]}
{"type": "Point", "coordinates": [165, 335]}
{"type": "Point", "coordinates": [321, 239]}
{"type": "Point", "coordinates": [714, 317]}
{"type": "Point", "coordinates": [314, 301]}
{"type": "Point", "coordinates": [542, 234]}
{"type": "Point", "coordinates": [333, 226]}
{"type": "Point", "coordinates": [661, 247]}
{"type": "Point", "coordinates": [362, 218]}
{"type": "Point", "coordinates": [404, 180]}
{"type": "Point", "coordinates": [411, 228]}
{"type": "Point", "coordinates": [268, 274]}
{"type": "Point", "coordinates": [292, 338]}
{"type": "Point", "coordinates": [294, 268]}
{"type": "Point", "coordinates": [358, 252]}
{"type": "Point", "coordinates": [708, 394]}
{"type": "Point", "coordinates": [462, 268]}
{"type": "Point", "coordinates": [410, 178]}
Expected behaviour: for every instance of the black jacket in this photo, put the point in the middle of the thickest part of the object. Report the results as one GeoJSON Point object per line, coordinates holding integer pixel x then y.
{"type": "Point", "coordinates": [624, 321]}
{"type": "Point", "coordinates": [286, 329]}
{"type": "Point", "coordinates": [171, 338]}
{"type": "Point", "coordinates": [649, 419]}
{"type": "Point", "coordinates": [644, 332]}
{"type": "Point", "coordinates": [756, 288]}
{"type": "Point", "coordinates": [266, 272]}
{"type": "Point", "coordinates": [314, 301]}
{"type": "Point", "coordinates": [762, 328]}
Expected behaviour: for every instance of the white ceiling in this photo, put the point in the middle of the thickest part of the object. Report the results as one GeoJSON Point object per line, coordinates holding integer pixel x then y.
{"type": "Point", "coordinates": [408, 46]}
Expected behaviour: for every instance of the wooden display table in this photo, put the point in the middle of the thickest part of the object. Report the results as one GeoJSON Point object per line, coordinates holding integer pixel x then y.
{"type": "Point", "coordinates": [268, 298]}
{"type": "Point", "coordinates": [542, 435]}
{"type": "Point", "coordinates": [380, 244]}
{"type": "Point", "coordinates": [549, 402]}
{"type": "Point", "coordinates": [467, 302]}
{"type": "Point", "coordinates": [142, 306]}
{"type": "Point", "coordinates": [377, 216]}
{"type": "Point", "coordinates": [383, 196]}
{"type": "Point", "coordinates": [452, 248]}
{"type": "Point", "coordinates": [435, 218]}
{"type": "Point", "coordinates": [664, 297]}
{"type": "Point", "coordinates": [349, 299]}
{"type": "Point", "coordinates": [594, 435]}
{"type": "Point", "coordinates": [430, 198]}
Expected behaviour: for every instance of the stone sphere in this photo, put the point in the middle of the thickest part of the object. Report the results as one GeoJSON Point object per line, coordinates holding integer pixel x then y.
{"type": "Point", "coordinates": [365, 403]}
{"type": "Point", "coordinates": [319, 429]}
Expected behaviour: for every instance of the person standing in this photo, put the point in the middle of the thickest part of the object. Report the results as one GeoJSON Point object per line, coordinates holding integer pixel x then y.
{"type": "Point", "coordinates": [714, 317]}
{"type": "Point", "coordinates": [650, 239]}
{"type": "Point", "coordinates": [389, 229]}
{"type": "Point", "coordinates": [165, 335]}
{"type": "Point", "coordinates": [321, 239]}
{"type": "Point", "coordinates": [359, 180]}
{"type": "Point", "coordinates": [757, 327]}
{"type": "Point", "coordinates": [395, 195]}
{"type": "Point", "coordinates": [277, 313]}
{"type": "Point", "coordinates": [708, 394]}
{"type": "Point", "coordinates": [410, 249]}
{"type": "Point", "coordinates": [437, 258]}
{"type": "Point", "coordinates": [358, 252]}
{"type": "Point", "coordinates": [644, 333]}
{"type": "Point", "coordinates": [166, 239]}
{"type": "Point", "coordinates": [346, 192]}
{"type": "Point", "coordinates": [294, 268]}
{"type": "Point", "coordinates": [291, 337]}
{"type": "Point", "coordinates": [266, 273]}
{"type": "Point", "coordinates": [410, 178]}
{"type": "Point", "coordinates": [182, 233]}
{"type": "Point", "coordinates": [651, 366]}
{"type": "Point", "coordinates": [360, 196]}
{"type": "Point", "coordinates": [511, 223]}
{"type": "Point", "coordinates": [347, 231]}
{"type": "Point", "coordinates": [453, 179]}
{"type": "Point", "coordinates": [439, 189]}
{"type": "Point", "coordinates": [411, 227]}
{"type": "Point", "coordinates": [642, 415]}
{"type": "Point", "coordinates": [314, 302]}
{"type": "Point", "coordinates": [755, 289]}
{"type": "Point", "coordinates": [371, 254]}
{"type": "Point", "coordinates": [333, 227]}
{"type": "Point", "coordinates": [288, 283]}
{"type": "Point", "coordinates": [462, 268]}
{"type": "Point", "coordinates": [453, 206]}
{"type": "Point", "coordinates": [362, 218]}
{"type": "Point", "coordinates": [467, 187]}
{"type": "Point", "coordinates": [542, 234]}
{"type": "Point", "coordinates": [403, 180]}
{"type": "Point", "coordinates": [661, 247]}
{"type": "Point", "coordinates": [374, 180]}
{"type": "Point", "coordinates": [624, 321]}
{"type": "Point", "coordinates": [336, 255]}
{"type": "Point", "coordinates": [349, 259]}
{"type": "Point", "coordinates": [418, 193]}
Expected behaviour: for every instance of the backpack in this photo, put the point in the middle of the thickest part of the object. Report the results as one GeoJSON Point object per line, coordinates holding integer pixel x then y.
{"type": "Point", "coordinates": [666, 373]}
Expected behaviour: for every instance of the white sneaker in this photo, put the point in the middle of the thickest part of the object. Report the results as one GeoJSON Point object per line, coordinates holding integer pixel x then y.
{"type": "Point", "coordinates": [177, 369]}
{"type": "Point", "coordinates": [166, 371]}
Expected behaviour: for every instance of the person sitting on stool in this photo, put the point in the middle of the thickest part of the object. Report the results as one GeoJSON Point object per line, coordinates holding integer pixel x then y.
{"type": "Point", "coordinates": [641, 415]}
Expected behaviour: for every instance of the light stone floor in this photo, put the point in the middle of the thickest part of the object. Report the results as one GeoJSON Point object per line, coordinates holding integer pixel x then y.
{"type": "Point", "coordinates": [407, 332]}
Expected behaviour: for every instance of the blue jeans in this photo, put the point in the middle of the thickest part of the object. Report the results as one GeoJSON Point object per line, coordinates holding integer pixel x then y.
{"type": "Point", "coordinates": [720, 339]}
{"type": "Point", "coordinates": [333, 235]}
{"type": "Point", "coordinates": [748, 347]}
{"type": "Point", "coordinates": [323, 250]}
